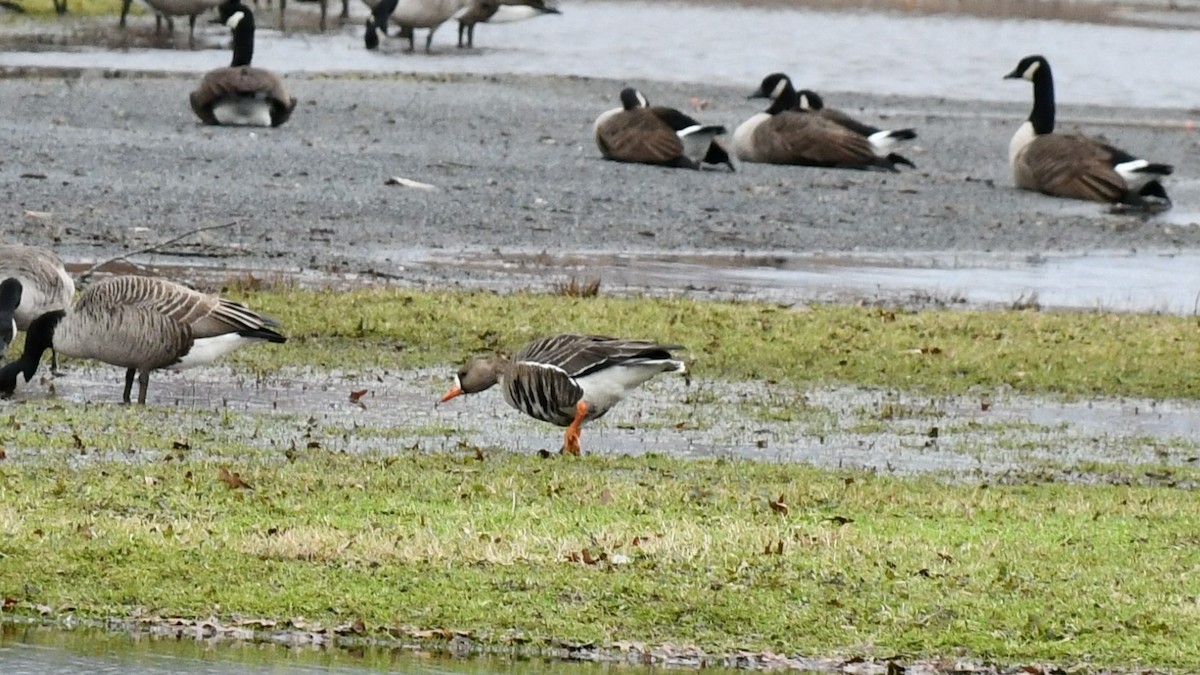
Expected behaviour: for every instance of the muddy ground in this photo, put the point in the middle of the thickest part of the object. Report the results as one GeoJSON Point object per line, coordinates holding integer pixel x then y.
{"type": "Point", "coordinates": [103, 162]}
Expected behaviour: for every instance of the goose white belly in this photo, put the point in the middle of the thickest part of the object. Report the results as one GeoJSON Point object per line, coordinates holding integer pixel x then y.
{"type": "Point", "coordinates": [743, 137]}
{"type": "Point", "coordinates": [1017, 145]}
{"type": "Point", "coordinates": [207, 350]}
{"type": "Point", "coordinates": [182, 7]}
{"type": "Point", "coordinates": [426, 13]}
{"type": "Point", "coordinates": [604, 117]}
{"type": "Point", "coordinates": [605, 388]}
{"type": "Point", "coordinates": [511, 13]}
{"type": "Point", "coordinates": [246, 111]}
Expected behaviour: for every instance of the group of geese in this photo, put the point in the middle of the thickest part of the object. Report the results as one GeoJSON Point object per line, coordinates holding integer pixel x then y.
{"type": "Point", "coordinates": [145, 324]}
{"type": "Point", "coordinates": [796, 128]}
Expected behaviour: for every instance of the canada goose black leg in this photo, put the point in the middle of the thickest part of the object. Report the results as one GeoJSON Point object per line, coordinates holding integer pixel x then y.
{"type": "Point", "coordinates": [124, 12]}
{"type": "Point", "coordinates": [345, 9]}
{"type": "Point", "coordinates": [282, 7]}
{"type": "Point", "coordinates": [324, 11]}
{"type": "Point", "coordinates": [428, 40]}
{"type": "Point", "coordinates": [60, 7]}
{"type": "Point", "coordinates": [192, 31]}
{"type": "Point", "coordinates": [143, 384]}
{"type": "Point", "coordinates": [462, 27]}
{"type": "Point", "coordinates": [129, 375]}
{"type": "Point", "coordinates": [54, 363]}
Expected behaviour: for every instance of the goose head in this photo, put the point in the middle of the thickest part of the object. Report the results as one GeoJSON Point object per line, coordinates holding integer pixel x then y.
{"type": "Point", "coordinates": [632, 99]}
{"type": "Point", "coordinates": [1029, 68]}
{"type": "Point", "coordinates": [10, 299]}
{"type": "Point", "coordinates": [479, 374]}
{"type": "Point", "coordinates": [809, 100]}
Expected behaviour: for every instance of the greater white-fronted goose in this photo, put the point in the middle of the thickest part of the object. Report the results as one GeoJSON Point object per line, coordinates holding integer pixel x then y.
{"type": "Point", "coordinates": [883, 140]}
{"type": "Point", "coordinates": [34, 281]}
{"type": "Point", "coordinates": [783, 135]}
{"type": "Point", "coordinates": [498, 11]}
{"type": "Point", "coordinates": [241, 95]}
{"type": "Point", "coordinates": [170, 9]}
{"type": "Point", "coordinates": [645, 134]}
{"type": "Point", "coordinates": [141, 324]}
{"type": "Point", "coordinates": [1074, 165]}
{"type": "Point", "coordinates": [568, 380]}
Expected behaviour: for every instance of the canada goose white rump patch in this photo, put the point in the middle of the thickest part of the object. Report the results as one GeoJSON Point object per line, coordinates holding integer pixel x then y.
{"type": "Point", "coordinates": [207, 350]}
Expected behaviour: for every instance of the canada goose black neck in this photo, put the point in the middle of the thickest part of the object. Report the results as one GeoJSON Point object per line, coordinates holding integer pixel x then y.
{"type": "Point", "coordinates": [241, 22]}
{"type": "Point", "coordinates": [1037, 70]}
{"type": "Point", "coordinates": [10, 299]}
{"type": "Point", "coordinates": [38, 339]}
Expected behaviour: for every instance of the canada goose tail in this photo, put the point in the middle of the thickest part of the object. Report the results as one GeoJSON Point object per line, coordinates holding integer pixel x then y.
{"type": "Point", "coordinates": [698, 141]}
{"type": "Point", "coordinates": [263, 333]}
{"type": "Point", "coordinates": [883, 141]}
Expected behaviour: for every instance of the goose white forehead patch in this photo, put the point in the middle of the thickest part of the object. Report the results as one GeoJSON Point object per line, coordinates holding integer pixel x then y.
{"type": "Point", "coordinates": [235, 19]}
{"type": "Point", "coordinates": [779, 88]}
{"type": "Point", "coordinates": [1033, 68]}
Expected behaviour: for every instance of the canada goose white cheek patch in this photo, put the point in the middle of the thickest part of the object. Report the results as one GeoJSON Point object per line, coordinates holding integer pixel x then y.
{"type": "Point", "coordinates": [1033, 68]}
{"type": "Point", "coordinates": [779, 89]}
{"type": "Point", "coordinates": [235, 19]}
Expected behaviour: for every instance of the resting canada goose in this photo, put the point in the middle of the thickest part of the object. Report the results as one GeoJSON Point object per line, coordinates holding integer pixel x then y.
{"type": "Point", "coordinates": [172, 8]}
{"type": "Point", "coordinates": [34, 282]}
{"type": "Point", "coordinates": [882, 140]}
{"type": "Point", "coordinates": [240, 94]}
{"type": "Point", "coordinates": [411, 14]}
{"type": "Point", "coordinates": [1073, 165]}
{"type": "Point", "coordinates": [567, 380]}
{"type": "Point", "coordinates": [784, 135]}
{"type": "Point", "coordinates": [498, 11]}
{"type": "Point", "coordinates": [142, 324]}
{"type": "Point", "coordinates": [639, 132]}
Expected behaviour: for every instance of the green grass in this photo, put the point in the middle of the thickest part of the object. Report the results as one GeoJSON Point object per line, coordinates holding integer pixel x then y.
{"type": "Point", "coordinates": [869, 565]}
{"type": "Point", "coordinates": [45, 8]}
{"type": "Point", "coordinates": [935, 351]}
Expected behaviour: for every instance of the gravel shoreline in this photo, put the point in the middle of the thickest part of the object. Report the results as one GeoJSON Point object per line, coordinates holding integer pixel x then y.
{"type": "Point", "coordinates": [105, 162]}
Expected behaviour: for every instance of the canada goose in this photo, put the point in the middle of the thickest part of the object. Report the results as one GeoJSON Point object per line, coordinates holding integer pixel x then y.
{"type": "Point", "coordinates": [784, 135]}
{"type": "Point", "coordinates": [567, 380]}
{"type": "Point", "coordinates": [882, 140]}
{"type": "Point", "coordinates": [499, 11]}
{"type": "Point", "coordinates": [142, 324]}
{"type": "Point", "coordinates": [34, 282]}
{"type": "Point", "coordinates": [412, 14]}
{"type": "Point", "coordinates": [324, 11]}
{"type": "Point", "coordinates": [638, 132]}
{"type": "Point", "coordinates": [241, 94]}
{"type": "Point", "coordinates": [172, 8]}
{"type": "Point", "coordinates": [1073, 165]}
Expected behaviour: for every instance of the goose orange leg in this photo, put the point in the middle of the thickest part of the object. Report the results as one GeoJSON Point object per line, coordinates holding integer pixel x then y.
{"type": "Point", "coordinates": [571, 442]}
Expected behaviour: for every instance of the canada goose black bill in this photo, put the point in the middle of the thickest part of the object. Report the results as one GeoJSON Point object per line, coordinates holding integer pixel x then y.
{"type": "Point", "coordinates": [242, 95]}
{"type": "Point", "coordinates": [783, 135]}
{"type": "Point", "coordinates": [142, 324]}
{"type": "Point", "coordinates": [883, 140]}
{"type": "Point", "coordinates": [641, 133]}
{"type": "Point", "coordinates": [1073, 165]}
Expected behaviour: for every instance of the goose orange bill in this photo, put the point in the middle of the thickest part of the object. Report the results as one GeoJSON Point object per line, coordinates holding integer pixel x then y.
{"type": "Point", "coordinates": [457, 391]}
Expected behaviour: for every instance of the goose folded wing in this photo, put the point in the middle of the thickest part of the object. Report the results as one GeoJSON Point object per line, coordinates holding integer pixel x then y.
{"type": "Point", "coordinates": [639, 136]}
{"type": "Point", "coordinates": [1075, 166]}
{"type": "Point", "coordinates": [578, 355]}
{"type": "Point", "coordinates": [810, 139]}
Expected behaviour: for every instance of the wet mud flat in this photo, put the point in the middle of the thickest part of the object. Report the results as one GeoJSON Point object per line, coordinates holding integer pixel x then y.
{"type": "Point", "coordinates": [106, 162]}
{"type": "Point", "coordinates": [986, 436]}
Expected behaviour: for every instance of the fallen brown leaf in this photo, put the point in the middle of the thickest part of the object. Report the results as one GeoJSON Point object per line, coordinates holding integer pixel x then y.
{"type": "Point", "coordinates": [356, 398]}
{"type": "Point", "coordinates": [778, 506]}
{"type": "Point", "coordinates": [233, 480]}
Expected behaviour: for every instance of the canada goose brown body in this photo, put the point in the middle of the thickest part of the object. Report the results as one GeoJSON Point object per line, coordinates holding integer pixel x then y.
{"type": "Point", "coordinates": [141, 324]}
{"type": "Point", "coordinates": [569, 379]}
{"type": "Point", "coordinates": [242, 95]}
{"type": "Point", "coordinates": [882, 140]}
{"type": "Point", "coordinates": [1073, 165]}
{"type": "Point", "coordinates": [784, 135]}
{"type": "Point", "coordinates": [641, 133]}
{"type": "Point", "coordinates": [410, 15]}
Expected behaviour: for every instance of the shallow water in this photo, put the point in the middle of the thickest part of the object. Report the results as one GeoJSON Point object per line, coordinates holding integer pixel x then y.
{"type": "Point", "coordinates": [942, 55]}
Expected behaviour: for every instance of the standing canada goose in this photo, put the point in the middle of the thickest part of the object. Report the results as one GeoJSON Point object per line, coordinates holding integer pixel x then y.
{"type": "Point", "coordinates": [567, 380]}
{"type": "Point", "coordinates": [34, 282]}
{"type": "Point", "coordinates": [242, 95]}
{"type": "Point", "coordinates": [499, 11]}
{"type": "Point", "coordinates": [639, 132]}
{"type": "Point", "coordinates": [784, 135]}
{"type": "Point", "coordinates": [412, 14]}
{"type": "Point", "coordinates": [324, 11]}
{"type": "Point", "coordinates": [1073, 165]}
{"type": "Point", "coordinates": [882, 140]}
{"type": "Point", "coordinates": [172, 8]}
{"type": "Point", "coordinates": [141, 324]}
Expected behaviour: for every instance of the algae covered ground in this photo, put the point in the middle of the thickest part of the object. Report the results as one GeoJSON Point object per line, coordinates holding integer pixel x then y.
{"type": "Point", "coordinates": [159, 513]}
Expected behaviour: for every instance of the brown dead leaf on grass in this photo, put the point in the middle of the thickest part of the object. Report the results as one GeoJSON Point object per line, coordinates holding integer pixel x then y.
{"type": "Point", "coordinates": [778, 506]}
{"type": "Point", "coordinates": [233, 480]}
{"type": "Point", "coordinates": [356, 398]}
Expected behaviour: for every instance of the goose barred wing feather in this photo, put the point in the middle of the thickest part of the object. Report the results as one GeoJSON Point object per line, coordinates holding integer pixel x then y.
{"type": "Point", "coordinates": [579, 355]}
{"type": "Point", "coordinates": [799, 138]}
{"type": "Point", "coordinates": [202, 315]}
{"type": "Point", "coordinates": [1071, 165]}
{"type": "Point", "coordinates": [639, 136]}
